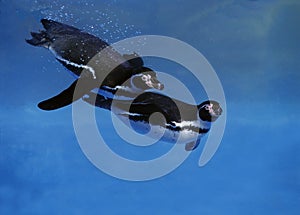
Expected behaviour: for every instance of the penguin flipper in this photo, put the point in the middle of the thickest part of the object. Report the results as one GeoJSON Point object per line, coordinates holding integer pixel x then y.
{"type": "Point", "coordinates": [192, 145]}
{"type": "Point", "coordinates": [67, 96]}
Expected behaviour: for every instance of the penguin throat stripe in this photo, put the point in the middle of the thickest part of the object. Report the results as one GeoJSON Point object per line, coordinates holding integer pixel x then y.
{"type": "Point", "coordinates": [74, 64]}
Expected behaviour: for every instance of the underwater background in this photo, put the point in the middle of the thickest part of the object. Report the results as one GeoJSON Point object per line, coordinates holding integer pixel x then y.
{"type": "Point", "coordinates": [253, 47]}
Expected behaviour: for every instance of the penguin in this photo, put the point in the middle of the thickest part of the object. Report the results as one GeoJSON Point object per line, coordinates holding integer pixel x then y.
{"type": "Point", "coordinates": [74, 49]}
{"type": "Point", "coordinates": [169, 118]}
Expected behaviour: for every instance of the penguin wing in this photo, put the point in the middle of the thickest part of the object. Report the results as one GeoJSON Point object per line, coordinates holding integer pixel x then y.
{"type": "Point", "coordinates": [67, 96]}
{"type": "Point", "coordinates": [192, 145]}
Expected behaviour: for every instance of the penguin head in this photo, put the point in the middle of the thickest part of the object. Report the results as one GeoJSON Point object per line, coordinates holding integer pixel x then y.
{"type": "Point", "coordinates": [209, 110]}
{"type": "Point", "coordinates": [146, 80]}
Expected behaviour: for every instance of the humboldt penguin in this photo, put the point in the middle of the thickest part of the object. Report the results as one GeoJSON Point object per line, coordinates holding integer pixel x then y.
{"type": "Point", "coordinates": [109, 72]}
{"type": "Point", "coordinates": [169, 119]}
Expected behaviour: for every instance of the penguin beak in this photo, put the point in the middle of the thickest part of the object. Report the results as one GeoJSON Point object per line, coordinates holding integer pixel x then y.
{"type": "Point", "coordinates": [154, 83]}
{"type": "Point", "coordinates": [219, 111]}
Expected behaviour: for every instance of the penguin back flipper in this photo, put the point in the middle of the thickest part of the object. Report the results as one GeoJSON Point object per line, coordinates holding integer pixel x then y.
{"type": "Point", "coordinates": [62, 99]}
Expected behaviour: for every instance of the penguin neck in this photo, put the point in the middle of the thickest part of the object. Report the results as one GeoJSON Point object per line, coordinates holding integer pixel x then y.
{"type": "Point", "coordinates": [128, 87]}
{"type": "Point", "coordinates": [125, 89]}
{"type": "Point", "coordinates": [132, 86]}
{"type": "Point", "coordinates": [204, 124]}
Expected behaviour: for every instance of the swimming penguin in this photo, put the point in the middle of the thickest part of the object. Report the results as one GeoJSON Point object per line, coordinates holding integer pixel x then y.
{"type": "Point", "coordinates": [75, 49]}
{"type": "Point", "coordinates": [169, 118]}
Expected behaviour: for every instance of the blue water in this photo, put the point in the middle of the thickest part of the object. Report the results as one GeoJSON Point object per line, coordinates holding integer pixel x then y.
{"type": "Point", "coordinates": [252, 45]}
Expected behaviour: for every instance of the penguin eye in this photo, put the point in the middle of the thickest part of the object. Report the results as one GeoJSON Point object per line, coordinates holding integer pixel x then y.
{"type": "Point", "coordinates": [209, 108]}
{"type": "Point", "coordinates": [144, 78]}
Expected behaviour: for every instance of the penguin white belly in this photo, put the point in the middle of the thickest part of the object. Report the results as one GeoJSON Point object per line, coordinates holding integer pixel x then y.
{"type": "Point", "coordinates": [157, 132]}
{"type": "Point", "coordinates": [181, 137]}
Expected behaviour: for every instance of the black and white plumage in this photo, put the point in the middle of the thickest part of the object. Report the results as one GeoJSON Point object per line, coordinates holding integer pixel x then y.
{"type": "Point", "coordinates": [176, 119]}
{"type": "Point", "coordinates": [75, 49]}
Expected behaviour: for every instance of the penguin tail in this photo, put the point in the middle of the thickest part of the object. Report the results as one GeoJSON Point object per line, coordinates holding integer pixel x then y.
{"type": "Point", "coordinates": [39, 39]}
